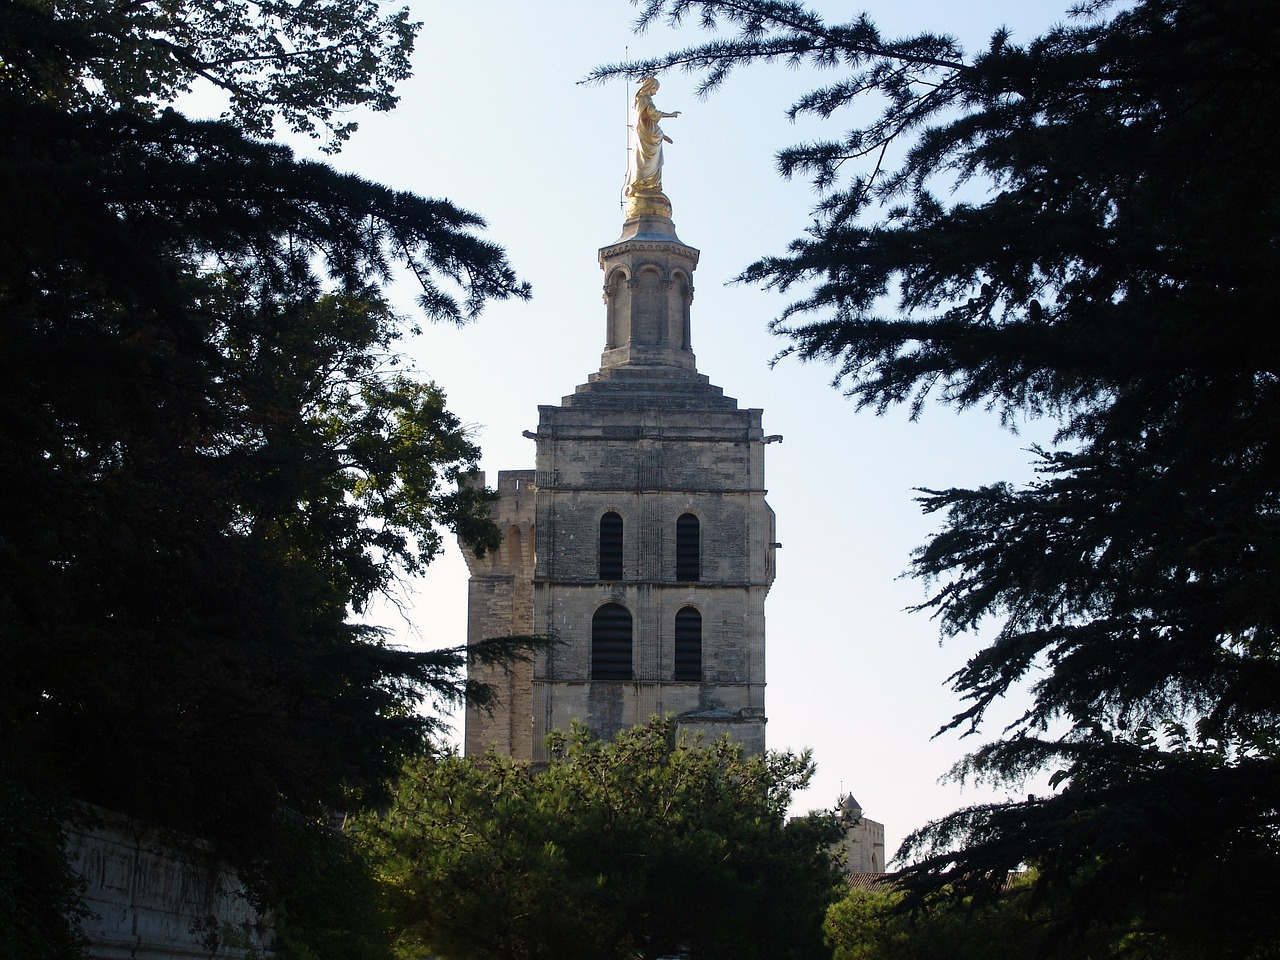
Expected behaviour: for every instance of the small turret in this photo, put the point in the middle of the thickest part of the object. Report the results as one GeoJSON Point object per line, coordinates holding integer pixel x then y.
{"type": "Point", "coordinates": [648, 292]}
{"type": "Point", "coordinates": [850, 811]}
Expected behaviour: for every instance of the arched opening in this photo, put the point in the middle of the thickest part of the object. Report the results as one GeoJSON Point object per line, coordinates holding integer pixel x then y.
{"type": "Point", "coordinates": [618, 307]}
{"type": "Point", "coordinates": [688, 548]}
{"type": "Point", "coordinates": [610, 547]}
{"type": "Point", "coordinates": [688, 660]}
{"type": "Point", "coordinates": [679, 297]}
{"type": "Point", "coordinates": [611, 643]}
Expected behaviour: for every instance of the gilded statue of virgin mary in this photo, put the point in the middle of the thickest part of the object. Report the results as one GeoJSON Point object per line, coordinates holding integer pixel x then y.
{"type": "Point", "coordinates": [644, 176]}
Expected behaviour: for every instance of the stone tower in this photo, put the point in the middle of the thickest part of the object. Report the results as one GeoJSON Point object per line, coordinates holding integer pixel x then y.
{"type": "Point", "coordinates": [642, 539]}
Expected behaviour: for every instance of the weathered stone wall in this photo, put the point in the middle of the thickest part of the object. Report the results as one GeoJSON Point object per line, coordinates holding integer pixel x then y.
{"type": "Point", "coordinates": [650, 444]}
{"type": "Point", "coordinates": [500, 604]}
{"type": "Point", "coordinates": [152, 896]}
{"type": "Point", "coordinates": [864, 847]}
{"type": "Point", "coordinates": [863, 841]}
{"type": "Point", "coordinates": [650, 439]}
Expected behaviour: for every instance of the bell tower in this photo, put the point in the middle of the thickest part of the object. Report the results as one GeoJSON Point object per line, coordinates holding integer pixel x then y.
{"type": "Point", "coordinates": [653, 546]}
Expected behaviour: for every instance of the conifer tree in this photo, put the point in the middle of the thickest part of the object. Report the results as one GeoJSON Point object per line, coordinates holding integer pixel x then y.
{"type": "Point", "coordinates": [1110, 262]}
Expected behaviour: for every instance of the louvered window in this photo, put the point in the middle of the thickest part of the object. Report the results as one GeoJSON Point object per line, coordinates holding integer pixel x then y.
{"type": "Point", "coordinates": [611, 547]}
{"type": "Point", "coordinates": [688, 548]}
{"type": "Point", "coordinates": [688, 644]}
{"type": "Point", "coordinates": [611, 643]}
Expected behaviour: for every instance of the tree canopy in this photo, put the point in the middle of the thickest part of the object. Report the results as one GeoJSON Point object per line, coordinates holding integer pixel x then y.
{"type": "Point", "coordinates": [1082, 226]}
{"type": "Point", "coordinates": [634, 848]}
{"type": "Point", "coordinates": [211, 457]}
{"type": "Point", "coordinates": [302, 63]}
{"type": "Point", "coordinates": [1013, 923]}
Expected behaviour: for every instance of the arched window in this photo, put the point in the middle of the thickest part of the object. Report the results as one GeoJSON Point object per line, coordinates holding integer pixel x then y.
{"type": "Point", "coordinates": [688, 548]}
{"type": "Point", "coordinates": [611, 643]}
{"type": "Point", "coordinates": [688, 644]}
{"type": "Point", "coordinates": [611, 547]}
{"type": "Point", "coordinates": [618, 295]}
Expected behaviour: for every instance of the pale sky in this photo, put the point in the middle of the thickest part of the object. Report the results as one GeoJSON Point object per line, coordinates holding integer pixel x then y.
{"type": "Point", "coordinates": [494, 120]}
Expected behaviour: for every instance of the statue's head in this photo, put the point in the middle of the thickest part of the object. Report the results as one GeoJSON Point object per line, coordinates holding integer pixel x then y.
{"type": "Point", "coordinates": [648, 85]}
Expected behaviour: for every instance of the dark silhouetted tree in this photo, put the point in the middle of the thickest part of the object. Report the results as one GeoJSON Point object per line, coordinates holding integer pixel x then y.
{"type": "Point", "coordinates": [1109, 260]}
{"type": "Point", "coordinates": [209, 459]}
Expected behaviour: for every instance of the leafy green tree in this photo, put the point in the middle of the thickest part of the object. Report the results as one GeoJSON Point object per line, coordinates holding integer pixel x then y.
{"type": "Point", "coordinates": [210, 461]}
{"type": "Point", "coordinates": [1011, 924]}
{"type": "Point", "coordinates": [865, 924]}
{"type": "Point", "coordinates": [634, 848]}
{"type": "Point", "coordinates": [1083, 226]}
{"type": "Point", "coordinates": [303, 64]}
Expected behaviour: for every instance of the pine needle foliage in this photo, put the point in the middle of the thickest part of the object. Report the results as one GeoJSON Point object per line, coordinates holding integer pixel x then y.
{"type": "Point", "coordinates": [1082, 226]}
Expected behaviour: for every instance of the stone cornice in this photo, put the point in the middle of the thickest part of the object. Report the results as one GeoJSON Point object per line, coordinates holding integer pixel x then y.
{"type": "Point", "coordinates": [648, 246]}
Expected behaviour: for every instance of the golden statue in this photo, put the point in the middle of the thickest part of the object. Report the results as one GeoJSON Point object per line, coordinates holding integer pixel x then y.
{"type": "Point", "coordinates": [644, 178]}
